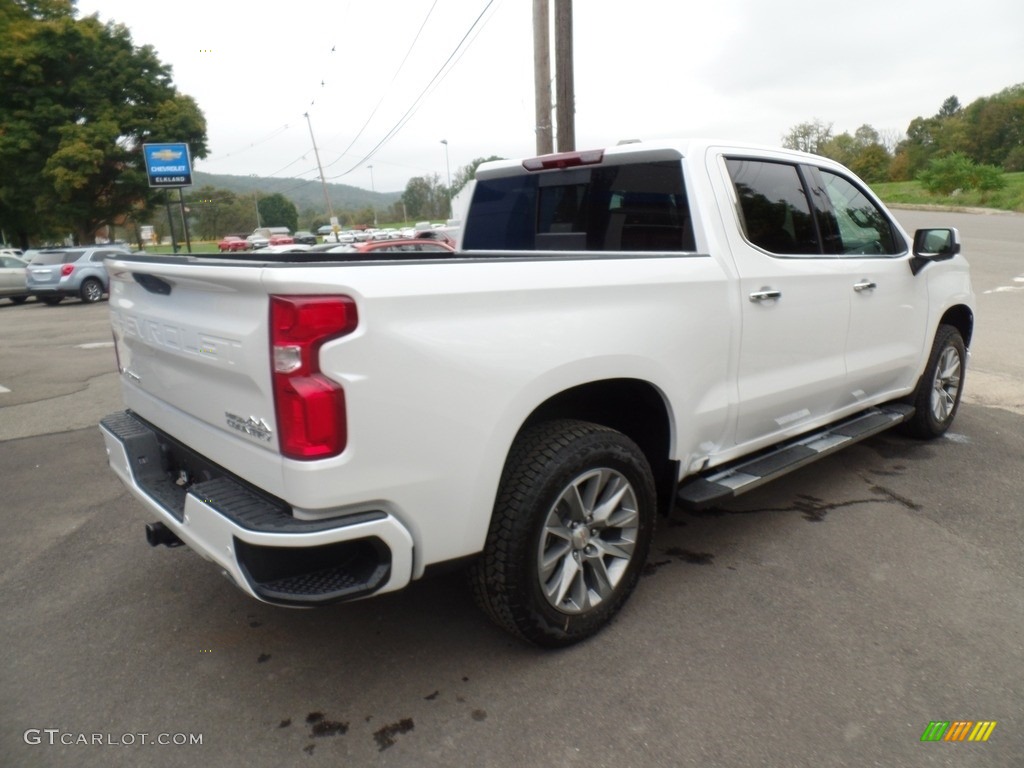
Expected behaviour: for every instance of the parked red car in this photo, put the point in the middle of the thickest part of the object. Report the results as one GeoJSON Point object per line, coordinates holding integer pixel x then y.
{"type": "Point", "coordinates": [391, 246]}
{"type": "Point", "coordinates": [232, 243]}
{"type": "Point", "coordinates": [435, 234]}
{"type": "Point", "coordinates": [281, 239]}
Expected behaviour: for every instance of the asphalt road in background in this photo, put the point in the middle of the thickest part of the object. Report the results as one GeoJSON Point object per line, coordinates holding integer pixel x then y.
{"type": "Point", "coordinates": [824, 620]}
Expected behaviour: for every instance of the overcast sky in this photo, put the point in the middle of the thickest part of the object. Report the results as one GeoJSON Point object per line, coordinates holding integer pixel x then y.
{"type": "Point", "coordinates": [735, 69]}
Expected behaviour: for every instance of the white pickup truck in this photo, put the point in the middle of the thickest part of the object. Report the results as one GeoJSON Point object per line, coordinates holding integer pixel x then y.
{"type": "Point", "coordinates": [622, 330]}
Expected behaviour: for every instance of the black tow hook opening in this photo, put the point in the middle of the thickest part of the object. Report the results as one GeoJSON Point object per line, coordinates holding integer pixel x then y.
{"type": "Point", "coordinates": [158, 533]}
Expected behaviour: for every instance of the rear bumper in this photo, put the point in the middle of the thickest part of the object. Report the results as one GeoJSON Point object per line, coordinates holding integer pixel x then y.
{"type": "Point", "coordinates": [253, 537]}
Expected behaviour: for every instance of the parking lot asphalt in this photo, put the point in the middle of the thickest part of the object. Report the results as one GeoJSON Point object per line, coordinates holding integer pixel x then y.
{"type": "Point", "coordinates": [824, 620]}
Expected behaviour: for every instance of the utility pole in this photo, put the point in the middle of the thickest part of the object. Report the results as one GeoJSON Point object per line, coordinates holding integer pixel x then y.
{"type": "Point", "coordinates": [565, 98]}
{"type": "Point", "coordinates": [448, 165]}
{"type": "Point", "coordinates": [373, 189]}
{"type": "Point", "coordinates": [323, 182]}
{"type": "Point", "coordinates": [542, 76]}
{"type": "Point", "coordinates": [256, 203]}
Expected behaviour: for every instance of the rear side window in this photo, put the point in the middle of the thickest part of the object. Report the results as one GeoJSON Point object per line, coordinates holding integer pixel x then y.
{"type": "Point", "coordinates": [54, 257]}
{"type": "Point", "coordinates": [776, 214]}
{"type": "Point", "coordinates": [632, 207]}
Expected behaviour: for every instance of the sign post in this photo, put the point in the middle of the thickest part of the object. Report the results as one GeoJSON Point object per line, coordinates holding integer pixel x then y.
{"type": "Point", "coordinates": [169, 166]}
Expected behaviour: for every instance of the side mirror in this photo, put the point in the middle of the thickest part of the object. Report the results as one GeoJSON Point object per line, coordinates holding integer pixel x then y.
{"type": "Point", "coordinates": [936, 244]}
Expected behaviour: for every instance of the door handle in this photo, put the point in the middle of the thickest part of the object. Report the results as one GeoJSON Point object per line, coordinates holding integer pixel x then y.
{"type": "Point", "coordinates": [864, 285]}
{"type": "Point", "coordinates": [765, 294]}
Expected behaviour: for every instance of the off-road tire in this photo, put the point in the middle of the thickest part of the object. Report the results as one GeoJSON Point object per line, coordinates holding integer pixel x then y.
{"type": "Point", "coordinates": [555, 471]}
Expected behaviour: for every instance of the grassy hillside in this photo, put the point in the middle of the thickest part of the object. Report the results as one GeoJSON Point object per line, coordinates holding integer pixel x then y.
{"type": "Point", "coordinates": [305, 194]}
{"type": "Point", "coordinates": [1010, 198]}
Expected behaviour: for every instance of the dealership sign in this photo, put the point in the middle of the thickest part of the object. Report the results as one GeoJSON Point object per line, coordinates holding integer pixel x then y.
{"type": "Point", "coordinates": [168, 165]}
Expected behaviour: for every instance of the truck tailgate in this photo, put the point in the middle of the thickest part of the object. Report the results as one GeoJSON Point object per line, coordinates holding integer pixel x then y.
{"type": "Point", "coordinates": [195, 337]}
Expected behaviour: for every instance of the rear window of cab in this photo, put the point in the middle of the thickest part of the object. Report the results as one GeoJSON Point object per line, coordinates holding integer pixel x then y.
{"type": "Point", "coordinates": [628, 207]}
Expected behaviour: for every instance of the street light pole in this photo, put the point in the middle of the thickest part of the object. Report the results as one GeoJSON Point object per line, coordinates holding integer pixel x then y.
{"type": "Point", "coordinates": [448, 167]}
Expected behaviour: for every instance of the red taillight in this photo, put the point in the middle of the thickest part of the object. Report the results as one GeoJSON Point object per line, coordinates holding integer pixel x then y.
{"type": "Point", "coordinates": [564, 160]}
{"type": "Point", "coordinates": [67, 269]}
{"type": "Point", "coordinates": [310, 408]}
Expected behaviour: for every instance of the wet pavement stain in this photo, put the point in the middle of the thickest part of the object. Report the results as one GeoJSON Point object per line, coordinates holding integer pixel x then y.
{"type": "Point", "coordinates": [892, 495]}
{"type": "Point", "coordinates": [262, 658]}
{"type": "Point", "coordinates": [896, 471]}
{"type": "Point", "coordinates": [813, 508]}
{"type": "Point", "coordinates": [385, 737]}
{"type": "Point", "coordinates": [432, 696]}
{"type": "Point", "coordinates": [694, 558]}
{"type": "Point", "coordinates": [308, 749]}
{"type": "Point", "coordinates": [324, 727]}
{"type": "Point", "coordinates": [651, 567]}
{"type": "Point", "coordinates": [479, 715]}
{"type": "Point", "coordinates": [906, 450]}
{"type": "Point", "coordinates": [285, 723]}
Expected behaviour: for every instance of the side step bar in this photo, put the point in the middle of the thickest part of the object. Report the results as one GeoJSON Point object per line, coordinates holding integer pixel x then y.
{"type": "Point", "coordinates": [723, 484]}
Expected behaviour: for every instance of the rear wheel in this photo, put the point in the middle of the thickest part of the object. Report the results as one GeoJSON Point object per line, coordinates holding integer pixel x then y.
{"type": "Point", "coordinates": [570, 533]}
{"type": "Point", "coordinates": [91, 291]}
{"type": "Point", "coordinates": [937, 396]}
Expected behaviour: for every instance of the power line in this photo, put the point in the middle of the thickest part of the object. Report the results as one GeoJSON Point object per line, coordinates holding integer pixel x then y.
{"type": "Point", "coordinates": [409, 112]}
{"type": "Point", "coordinates": [394, 77]}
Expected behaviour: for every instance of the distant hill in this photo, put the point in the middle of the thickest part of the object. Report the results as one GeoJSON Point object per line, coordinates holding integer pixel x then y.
{"type": "Point", "coordinates": [305, 194]}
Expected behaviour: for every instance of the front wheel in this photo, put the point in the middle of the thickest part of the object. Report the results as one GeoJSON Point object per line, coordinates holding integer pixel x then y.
{"type": "Point", "coordinates": [570, 532]}
{"type": "Point", "coordinates": [937, 396]}
{"type": "Point", "coordinates": [92, 291]}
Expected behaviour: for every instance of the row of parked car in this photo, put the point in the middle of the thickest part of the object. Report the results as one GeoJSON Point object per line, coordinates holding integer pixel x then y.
{"type": "Point", "coordinates": [255, 241]}
{"type": "Point", "coordinates": [54, 274]}
{"type": "Point", "coordinates": [258, 240]}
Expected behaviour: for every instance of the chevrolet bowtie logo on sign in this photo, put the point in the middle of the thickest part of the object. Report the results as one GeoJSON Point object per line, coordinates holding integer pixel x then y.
{"type": "Point", "coordinates": [166, 155]}
{"type": "Point", "coordinates": [168, 165]}
{"type": "Point", "coordinates": [958, 730]}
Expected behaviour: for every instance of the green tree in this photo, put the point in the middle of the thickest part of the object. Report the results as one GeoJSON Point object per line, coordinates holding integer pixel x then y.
{"type": "Point", "coordinates": [276, 210]}
{"type": "Point", "coordinates": [871, 163]}
{"type": "Point", "coordinates": [363, 217]}
{"type": "Point", "coordinates": [949, 108]}
{"type": "Point", "coordinates": [945, 175]}
{"type": "Point", "coordinates": [467, 173]}
{"type": "Point", "coordinates": [77, 103]}
{"type": "Point", "coordinates": [808, 137]}
{"type": "Point", "coordinates": [214, 213]}
{"type": "Point", "coordinates": [994, 126]}
{"type": "Point", "coordinates": [425, 198]}
{"type": "Point", "coordinates": [863, 153]}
